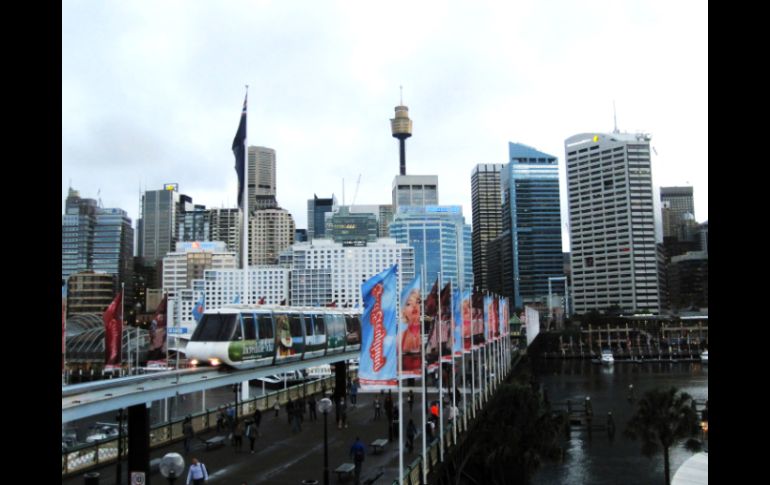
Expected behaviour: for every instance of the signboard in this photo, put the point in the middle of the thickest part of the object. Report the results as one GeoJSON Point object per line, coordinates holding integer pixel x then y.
{"type": "Point", "coordinates": [177, 330]}
{"type": "Point", "coordinates": [354, 244]}
{"type": "Point", "coordinates": [171, 187]}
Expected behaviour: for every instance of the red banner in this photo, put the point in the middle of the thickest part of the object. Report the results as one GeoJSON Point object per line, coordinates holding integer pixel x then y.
{"type": "Point", "coordinates": [113, 333]}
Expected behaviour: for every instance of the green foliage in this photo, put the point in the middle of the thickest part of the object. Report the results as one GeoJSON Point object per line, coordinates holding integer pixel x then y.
{"type": "Point", "coordinates": [516, 434]}
{"type": "Point", "coordinates": [663, 418]}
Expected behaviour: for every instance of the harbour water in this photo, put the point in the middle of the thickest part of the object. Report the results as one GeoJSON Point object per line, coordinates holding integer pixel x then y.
{"type": "Point", "coordinates": [596, 458]}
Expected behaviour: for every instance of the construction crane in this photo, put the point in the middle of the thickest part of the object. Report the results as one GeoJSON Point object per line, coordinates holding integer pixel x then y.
{"type": "Point", "coordinates": [358, 184]}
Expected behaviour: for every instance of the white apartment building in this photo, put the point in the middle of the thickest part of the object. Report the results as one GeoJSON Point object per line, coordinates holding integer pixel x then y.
{"type": "Point", "coordinates": [324, 271]}
{"type": "Point", "coordinates": [190, 260]}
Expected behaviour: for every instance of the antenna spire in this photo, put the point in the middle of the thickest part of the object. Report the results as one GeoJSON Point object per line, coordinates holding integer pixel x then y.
{"type": "Point", "coordinates": [615, 117]}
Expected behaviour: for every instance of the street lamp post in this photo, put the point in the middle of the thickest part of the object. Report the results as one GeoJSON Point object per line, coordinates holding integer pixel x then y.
{"type": "Point", "coordinates": [325, 405]}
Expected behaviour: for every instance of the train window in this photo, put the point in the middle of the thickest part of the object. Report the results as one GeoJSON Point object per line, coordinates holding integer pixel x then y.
{"type": "Point", "coordinates": [238, 334]}
{"type": "Point", "coordinates": [295, 324]}
{"type": "Point", "coordinates": [309, 324]}
{"type": "Point", "coordinates": [249, 328]}
{"type": "Point", "coordinates": [215, 327]}
{"type": "Point", "coordinates": [320, 328]}
{"type": "Point", "coordinates": [265, 326]}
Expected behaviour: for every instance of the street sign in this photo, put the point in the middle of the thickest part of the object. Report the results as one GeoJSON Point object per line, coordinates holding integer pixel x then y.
{"type": "Point", "coordinates": [176, 330]}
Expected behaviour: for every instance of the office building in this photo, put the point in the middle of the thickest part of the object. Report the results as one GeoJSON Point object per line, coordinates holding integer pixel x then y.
{"type": "Point", "coordinates": [441, 241]}
{"type": "Point", "coordinates": [348, 227]}
{"type": "Point", "coordinates": [612, 228]}
{"type": "Point", "coordinates": [189, 262]}
{"type": "Point", "coordinates": [262, 187]}
{"type": "Point", "coordinates": [532, 217]}
{"type": "Point", "coordinates": [487, 214]}
{"type": "Point", "coordinates": [316, 216]}
{"type": "Point", "coordinates": [676, 203]}
{"type": "Point", "coordinates": [225, 226]}
{"type": "Point", "coordinates": [414, 190]}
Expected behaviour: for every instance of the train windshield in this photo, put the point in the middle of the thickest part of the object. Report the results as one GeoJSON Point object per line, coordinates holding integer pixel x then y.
{"type": "Point", "coordinates": [216, 327]}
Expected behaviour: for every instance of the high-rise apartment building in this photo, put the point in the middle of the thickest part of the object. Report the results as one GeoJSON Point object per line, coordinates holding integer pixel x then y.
{"type": "Point", "coordinates": [612, 228]}
{"type": "Point", "coordinates": [262, 187]}
{"type": "Point", "coordinates": [194, 224]}
{"type": "Point", "coordinates": [270, 232]}
{"type": "Point", "coordinates": [532, 217]}
{"type": "Point", "coordinates": [77, 228]}
{"type": "Point", "coordinates": [225, 226]}
{"type": "Point", "coordinates": [324, 271]}
{"type": "Point", "coordinates": [487, 216]}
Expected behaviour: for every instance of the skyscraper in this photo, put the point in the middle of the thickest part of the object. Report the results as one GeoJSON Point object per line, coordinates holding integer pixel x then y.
{"type": "Point", "coordinates": [159, 223]}
{"type": "Point", "coordinates": [441, 241]}
{"type": "Point", "coordinates": [225, 225]}
{"type": "Point", "coordinates": [678, 212]}
{"type": "Point", "coordinates": [612, 228]}
{"type": "Point", "coordinates": [532, 216]}
{"type": "Point", "coordinates": [262, 187]}
{"type": "Point", "coordinates": [270, 232]}
{"type": "Point", "coordinates": [97, 239]}
{"type": "Point", "coordinates": [316, 216]}
{"type": "Point", "coordinates": [487, 216]}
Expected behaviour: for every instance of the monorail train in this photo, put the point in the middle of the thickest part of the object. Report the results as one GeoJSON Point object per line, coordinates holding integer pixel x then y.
{"type": "Point", "coordinates": [253, 336]}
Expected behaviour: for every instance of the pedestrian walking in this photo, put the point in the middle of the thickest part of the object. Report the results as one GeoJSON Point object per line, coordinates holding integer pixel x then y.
{"type": "Point", "coordinates": [389, 414]}
{"type": "Point", "coordinates": [411, 433]}
{"type": "Point", "coordinates": [257, 420]}
{"type": "Point", "coordinates": [276, 406]}
{"type": "Point", "coordinates": [197, 474]}
{"type": "Point", "coordinates": [343, 414]}
{"type": "Point", "coordinates": [358, 453]}
{"type": "Point", "coordinates": [377, 406]}
{"type": "Point", "coordinates": [410, 400]}
{"type": "Point", "coordinates": [353, 392]}
{"type": "Point", "coordinates": [221, 419]}
{"type": "Point", "coordinates": [189, 434]}
{"type": "Point", "coordinates": [251, 434]}
{"type": "Point", "coordinates": [289, 410]}
{"type": "Point", "coordinates": [238, 436]}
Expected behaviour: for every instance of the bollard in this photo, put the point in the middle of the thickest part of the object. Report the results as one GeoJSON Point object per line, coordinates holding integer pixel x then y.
{"type": "Point", "coordinates": [91, 478]}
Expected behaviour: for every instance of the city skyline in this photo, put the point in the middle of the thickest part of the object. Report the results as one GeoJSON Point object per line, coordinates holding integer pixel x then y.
{"type": "Point", "coordinates": [151, 94]}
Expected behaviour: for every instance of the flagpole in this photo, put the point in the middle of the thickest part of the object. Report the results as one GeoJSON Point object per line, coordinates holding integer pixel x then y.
{"type": "Point", "coordinates": [452, 350]}
{"type": "Point", "coordinates": [245, 205]}
{"type": "Point", "coordinates": [422, 371]}
{"type": "Point", "coordinates": [399, 356]}
{"type": "Point", "coordinates": [128, 343]}
{"type": "Point", "coordinates": [440, 376]}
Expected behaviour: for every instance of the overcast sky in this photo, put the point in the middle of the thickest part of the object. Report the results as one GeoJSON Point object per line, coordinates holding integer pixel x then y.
{"type": "Point", "coordinates": [152, 91]}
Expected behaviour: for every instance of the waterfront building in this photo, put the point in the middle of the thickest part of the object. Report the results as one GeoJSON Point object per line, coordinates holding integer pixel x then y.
{"type": "Point", "coordinates": [90, 292]}
{"type": "Point", "coordinates": [612, 228]}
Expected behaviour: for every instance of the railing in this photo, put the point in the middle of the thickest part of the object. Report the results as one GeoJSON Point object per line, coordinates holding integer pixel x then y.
{"type": "Point", "coordinates": [86, 456]}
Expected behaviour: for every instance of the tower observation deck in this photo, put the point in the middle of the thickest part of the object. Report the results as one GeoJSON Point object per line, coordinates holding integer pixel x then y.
{"type": "Point", "coordinates": [401, 127]}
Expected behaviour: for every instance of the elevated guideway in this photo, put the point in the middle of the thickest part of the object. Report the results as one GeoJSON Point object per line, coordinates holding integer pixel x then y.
{"type": "Point", "coordinates": [92, 398]}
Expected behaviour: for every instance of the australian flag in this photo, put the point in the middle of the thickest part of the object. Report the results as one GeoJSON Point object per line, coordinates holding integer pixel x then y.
{"type": "Point", "coordinates": [239, 149]}
{"type": "Point", "coordinates": [199, 307]}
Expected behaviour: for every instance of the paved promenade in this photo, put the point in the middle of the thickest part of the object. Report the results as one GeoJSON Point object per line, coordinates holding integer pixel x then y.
{"type": "Point", "coordinates": [284, 457]}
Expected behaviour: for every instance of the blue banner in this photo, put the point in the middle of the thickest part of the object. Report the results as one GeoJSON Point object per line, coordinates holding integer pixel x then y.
{"type": "Point", "coordinates": [409, 329]}
{"type": "Point", "coordinates": [457, 311]}
{"type": "Point", "coordinates": [377, 365]}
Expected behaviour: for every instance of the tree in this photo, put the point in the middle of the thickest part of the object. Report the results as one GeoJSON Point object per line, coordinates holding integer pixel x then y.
{"type": "Point", "coordinates": [516, 434]}
{"type": "Point", "coordinates": [663, 418]}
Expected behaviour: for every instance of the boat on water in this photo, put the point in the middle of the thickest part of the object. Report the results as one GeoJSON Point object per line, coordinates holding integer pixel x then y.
{"type": "Point", "coordinates": [607, 357]}
{"type": "Point", "coordinates": [704, 357]}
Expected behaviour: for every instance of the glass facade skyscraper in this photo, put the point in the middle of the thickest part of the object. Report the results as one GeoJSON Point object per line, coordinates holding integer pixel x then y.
{"type": "Point", "coordinates": [316, 216]}
{"type": "Point", "coordinates": [532, 215]}
{"type": "Point", "coordinates": [441, 241]}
